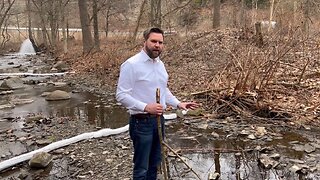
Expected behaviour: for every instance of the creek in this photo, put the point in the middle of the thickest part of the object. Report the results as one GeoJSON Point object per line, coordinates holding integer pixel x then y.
{"type": "Point", "coordinates": [207, 145]}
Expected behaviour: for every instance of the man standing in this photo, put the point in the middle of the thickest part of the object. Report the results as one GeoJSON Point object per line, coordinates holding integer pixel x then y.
{"type": "Point", "coordinates": [140, 76]}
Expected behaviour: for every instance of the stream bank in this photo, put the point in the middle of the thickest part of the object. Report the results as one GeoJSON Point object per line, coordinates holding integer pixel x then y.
{"type": "Point", "coordinates": [233, 147]}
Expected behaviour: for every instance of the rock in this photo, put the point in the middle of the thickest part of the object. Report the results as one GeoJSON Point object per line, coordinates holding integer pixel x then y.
{"type": "Point", "coordinates": [308, 148]}
{"type": "Point", "coordinates": [275, 156]}
{"type": "Point", "coordinates": [294, 168]}
{"type": "Point", "coordinates": [22, 101]}
{"type": "Point", "coordinates": [300, 169]}
{"type": "Point", "coordinates": [33, 119]}
{"type": "Point", "coordinates": [44, 94]}
{"type": "Point", "coordinates": [23, 175]}
{"type": "Point", "coordinates": [40, 160]}
{"type": "Point", "coordinates": [316, 145]}
{"type": "Point", "coordinates": [6, 92]}
{"type": "Point", "coordinates": [244, 132]}
{"type": "Point", "coordinates": [58, 95]}
{"type": "Point", "coordinates": [179, 113]}
{"type": "Point", "coordinates": [12, 83]}
{"type": "Point", "coordinates": [260, 131]}
{"type": "Point", "coordinates": [57, 84]}
{"type": "Point", "coordinates": [195, 112]}
{"type": "Point", "coordinates": [7, 106]}
{"type": "Point", "coordinates": [203, 126]}
{"type": "Point", "coordinates": [213, 176]}
{"type": "Point", "coordinates": [61, 66]}
{"type": "Point", "coordinates": [252, 137]}
{"type": "Point", "coordinates": [44, 141]}
{"type": "Point", "coordinates": [296, 161]}
{"type": "Point", "coordinates": [266, 162]}
{"type": "Point", "coordinates": [23, 69]}
{"type": "Point", "coordinates": [215, 135]}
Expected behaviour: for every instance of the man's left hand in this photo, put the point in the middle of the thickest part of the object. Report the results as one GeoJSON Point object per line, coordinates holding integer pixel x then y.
{"type": "Point", "coordinates": [188, 105]}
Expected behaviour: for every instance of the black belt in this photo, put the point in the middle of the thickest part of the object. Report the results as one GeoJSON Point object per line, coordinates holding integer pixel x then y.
{"type": "Point", "coordinates": [143, 116]}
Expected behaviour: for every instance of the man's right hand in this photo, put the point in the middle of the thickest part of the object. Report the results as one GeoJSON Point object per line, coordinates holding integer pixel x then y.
{"type": "Point", "coordinates": [154, 108]}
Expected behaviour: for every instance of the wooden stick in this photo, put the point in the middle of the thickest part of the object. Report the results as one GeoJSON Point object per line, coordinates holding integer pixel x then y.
{"type": "Point", "coordinates": [175, 153]}
{"type": "Point", "coordinates": [163, 163]}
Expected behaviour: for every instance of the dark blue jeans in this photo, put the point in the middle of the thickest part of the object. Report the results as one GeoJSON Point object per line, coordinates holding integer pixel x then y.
{"type": "Point", "coordinates": [146, 144]}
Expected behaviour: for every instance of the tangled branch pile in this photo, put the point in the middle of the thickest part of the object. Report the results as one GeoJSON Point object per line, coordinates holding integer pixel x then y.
{"type": "Point", "coordinates": [235, 77]}
{"type": "Point", "coordinates": [230, 74]}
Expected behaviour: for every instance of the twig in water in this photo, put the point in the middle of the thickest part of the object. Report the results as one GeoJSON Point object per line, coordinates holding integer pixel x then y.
{"type": "Point", "coordinates": [175, 153]}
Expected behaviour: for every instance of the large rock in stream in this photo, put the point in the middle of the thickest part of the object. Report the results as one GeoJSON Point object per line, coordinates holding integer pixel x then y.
{"type": "Point", "coordinates": [12, 83]}
{"type": "Point", "coordinates": [58, 95]}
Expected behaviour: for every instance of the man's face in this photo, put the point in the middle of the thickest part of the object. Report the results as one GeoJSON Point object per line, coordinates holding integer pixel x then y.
{"type": "Point", "coordinates": [154, 45]}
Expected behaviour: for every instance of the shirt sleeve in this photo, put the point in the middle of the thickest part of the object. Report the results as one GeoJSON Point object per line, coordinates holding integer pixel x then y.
{"type": "Point", "coordinates": [171, 99]}
{"type": "Point", "coordinates": [124, 89]}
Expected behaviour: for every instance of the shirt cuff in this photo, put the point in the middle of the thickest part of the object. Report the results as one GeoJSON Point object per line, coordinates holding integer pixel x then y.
{"type": "Point", "coordinates": [141, 106]}
{"type": "Point", "coordinates": [176, 103]}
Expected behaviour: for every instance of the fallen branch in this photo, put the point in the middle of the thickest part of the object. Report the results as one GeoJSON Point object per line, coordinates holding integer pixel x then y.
{"type": "Point", "coordinates": [175, 153]}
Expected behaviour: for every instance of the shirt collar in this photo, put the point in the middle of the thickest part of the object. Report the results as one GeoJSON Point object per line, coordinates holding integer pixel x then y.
{"type": "Point", "coordinates": [147, 58]}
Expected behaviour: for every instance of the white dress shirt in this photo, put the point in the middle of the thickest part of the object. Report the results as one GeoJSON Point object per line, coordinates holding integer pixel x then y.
{"type": "Point", "coordinates": [140, 76]}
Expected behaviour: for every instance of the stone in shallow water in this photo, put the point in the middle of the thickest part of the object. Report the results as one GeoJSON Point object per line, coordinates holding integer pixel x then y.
{"type": "Point", "coordinates": [22, 101]}
{"type": "Point", "coordinates": [12, 83]}
{"type": "Point", "coordinates": [58, 95]}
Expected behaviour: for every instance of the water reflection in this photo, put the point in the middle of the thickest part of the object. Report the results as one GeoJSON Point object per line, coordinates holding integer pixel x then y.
{"type": "Point", "coordinates": [82, 107]}
{"type": "Point", "coordinates": [232, 157]}
{"type": "Point", "coordinates": [228, 165]}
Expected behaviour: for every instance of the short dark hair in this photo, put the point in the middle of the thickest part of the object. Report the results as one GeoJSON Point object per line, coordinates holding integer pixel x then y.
{"type": "Point", "coordinates": [147, 32]}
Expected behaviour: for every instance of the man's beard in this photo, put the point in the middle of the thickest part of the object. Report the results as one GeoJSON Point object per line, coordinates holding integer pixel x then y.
{"type": "Point", "coordinates": [153, 53]}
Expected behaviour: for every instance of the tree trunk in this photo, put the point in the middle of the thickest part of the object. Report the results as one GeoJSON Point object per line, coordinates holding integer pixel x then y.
{"type": "Point", "coordinates": [139, 20]}
{"type": "Point", "coordinates": [258, 35]}
{"type": "Point", "coordinates": [29, 27]}
{"type": "Point", "coordinates": [243, 18]}
{"type": "Point", "coordinates": [53, 17]}
{"type": "Point", "coordinates": [41, 14]}
{"type": "Point", "coordinates": [95, 26]}
{"type": "Point", "coordinates": [155, 15]}
{"type": "Point", "coordinates": [63, 22]}
{"type": "Point", "coordinates": [107, 16]}
{"type": "Point", "coordinates": [85, 26]}
{"type": "Point", "coordinates": [254, 9]}
{"type": "Point", "coordinates": [216, 14]}
{"type": "Point", "coordinates": [271, 14]}
{"type": "Point", "coordinates": [306, 23]}
{"type": "Point", "coordinates": [235, 10]}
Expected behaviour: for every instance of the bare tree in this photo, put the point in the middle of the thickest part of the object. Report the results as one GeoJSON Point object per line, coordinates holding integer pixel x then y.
{"type": "Point", "coordinates": [155, 14]}
{"type": "Point", "coordinates": [30, 27]}
{"type": "Point", "coordinates": [64, 25]}
{"type": "Point", "coordinates": [4, 10]}
{"type": "Point", "coordinates": [85, 26]}
{"type": "Point", "coordinates": [41, 11]}
{"type": "Point", "coordinates": [95, 11]}
{"type": "Point", "coordinates": [216, 14]}
{"type": "Point", "coordinates": [107, 14]}
{"type": "Point", "coordinates": [243, 17]}
{"type": "Point", "coordinates": [271, 14]}
{"type": "Point", "coordinates": [49, 16]}
{"type": "Point", "coordinates": [306, 13]}
{"type": "Point", "coordinates": [139, 19]}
